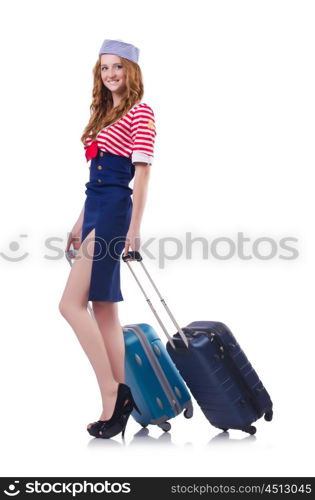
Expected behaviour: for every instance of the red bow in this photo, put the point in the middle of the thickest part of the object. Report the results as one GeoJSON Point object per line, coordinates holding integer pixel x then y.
{"type": "Point", "coordinates": [91, 151]}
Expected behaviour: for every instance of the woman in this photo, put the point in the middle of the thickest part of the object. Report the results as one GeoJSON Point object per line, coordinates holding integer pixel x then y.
{"type": "Point", "coordinates": [119, 141]}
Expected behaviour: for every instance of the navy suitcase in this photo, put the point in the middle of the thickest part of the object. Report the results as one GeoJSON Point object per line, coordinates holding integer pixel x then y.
{"type": "Point", "coordinates": [220, 377]}
{"type": "Point", "coordinates": [217, 372]}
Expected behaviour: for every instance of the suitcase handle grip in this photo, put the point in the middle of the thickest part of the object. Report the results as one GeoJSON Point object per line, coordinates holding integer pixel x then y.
{"type": "Point", "coordinates": [132, 255]}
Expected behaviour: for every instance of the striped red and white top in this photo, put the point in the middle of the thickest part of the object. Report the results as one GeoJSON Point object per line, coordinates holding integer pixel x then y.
{"type": "Point", "coordinates": [133, 136]}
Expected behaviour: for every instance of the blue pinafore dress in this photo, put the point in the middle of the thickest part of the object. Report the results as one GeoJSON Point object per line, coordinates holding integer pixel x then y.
{"type": "Point", "coordinates": [108, 209]}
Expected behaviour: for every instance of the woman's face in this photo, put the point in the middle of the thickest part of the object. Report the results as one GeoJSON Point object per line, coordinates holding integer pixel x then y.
{"type": "Point", "coordinates": [113, 73]}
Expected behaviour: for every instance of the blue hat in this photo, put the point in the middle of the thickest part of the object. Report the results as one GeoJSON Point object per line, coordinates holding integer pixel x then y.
{"type": "Point", "coordinates": [120, 48]}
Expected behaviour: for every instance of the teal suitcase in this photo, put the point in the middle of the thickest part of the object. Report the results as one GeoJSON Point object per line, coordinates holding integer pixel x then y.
{"type": "Point", "coordinates": [156, 385]}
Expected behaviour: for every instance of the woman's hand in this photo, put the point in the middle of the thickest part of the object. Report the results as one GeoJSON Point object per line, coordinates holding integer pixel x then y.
{"type": "Point", "coordinates": [132, 241]}
{"type": "Point", "coordinates": [74, 237]}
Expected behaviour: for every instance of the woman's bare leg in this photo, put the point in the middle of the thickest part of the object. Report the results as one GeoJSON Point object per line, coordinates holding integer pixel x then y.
{"type": "Point", "coordinates": [106, 315]}
{"type": "Point", "coordinates": [73, 306]}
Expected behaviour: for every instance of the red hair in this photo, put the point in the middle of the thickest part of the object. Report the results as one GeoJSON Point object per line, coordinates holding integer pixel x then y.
{"type": "Point", "coordinates": [101, 109]}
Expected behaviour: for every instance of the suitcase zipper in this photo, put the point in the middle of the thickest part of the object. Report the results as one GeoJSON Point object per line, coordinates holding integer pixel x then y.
{"type": "Point", "coordinates": [157, 368]}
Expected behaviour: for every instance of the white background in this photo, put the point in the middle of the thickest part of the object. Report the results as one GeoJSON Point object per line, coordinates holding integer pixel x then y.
{"type": "Point", "coordinates": [232, 87]}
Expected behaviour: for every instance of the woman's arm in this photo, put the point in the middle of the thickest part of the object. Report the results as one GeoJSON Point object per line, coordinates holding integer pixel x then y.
{"type": "Point", "coordinates": [140, 189]}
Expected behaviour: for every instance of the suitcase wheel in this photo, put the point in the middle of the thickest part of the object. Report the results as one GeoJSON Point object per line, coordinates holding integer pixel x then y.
{"type": "Point", "coordinates": [188, 413]}
{"type": "Point", "coordinates": [166, 426]}
{"type": "Point", "coordinates": [268, 415]}
{"type": "Point", "coordinates": [224, 429]}
{"type": "Point", "coordinates": [251, 429]}
{"type": "Point", "coordinates": [144, 425]}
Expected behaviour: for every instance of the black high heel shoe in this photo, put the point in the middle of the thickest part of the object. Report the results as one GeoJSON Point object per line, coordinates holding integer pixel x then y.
{"type": "Point", "coordinates": [95, 427]}
{"type": "Point", "coordinates": [117, 423]}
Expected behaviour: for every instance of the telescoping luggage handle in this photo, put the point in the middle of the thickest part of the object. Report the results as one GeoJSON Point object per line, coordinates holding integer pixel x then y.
{"type": "Point", "coordinates": [136, 255]}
